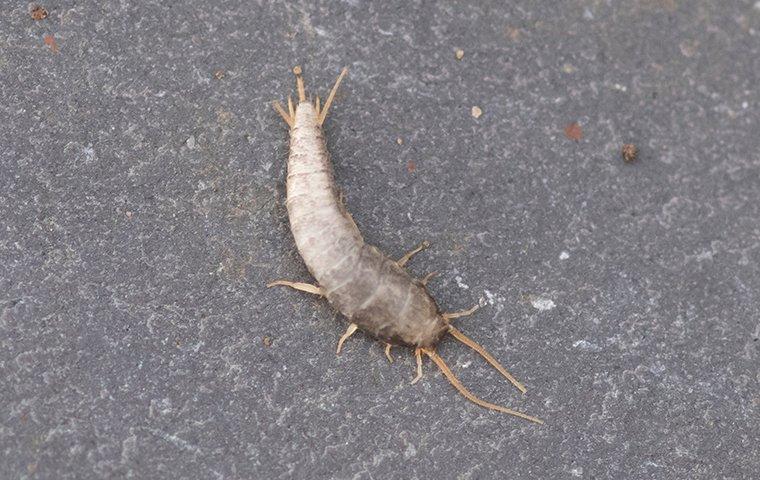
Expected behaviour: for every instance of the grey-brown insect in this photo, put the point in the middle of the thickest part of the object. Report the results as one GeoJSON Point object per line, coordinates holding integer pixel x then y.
{"type": "Point", "coordinates": [372, 291]}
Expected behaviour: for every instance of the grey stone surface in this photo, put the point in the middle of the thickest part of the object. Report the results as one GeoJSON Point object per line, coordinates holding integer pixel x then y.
{"type": "Point", "coordinates": [142, 205]}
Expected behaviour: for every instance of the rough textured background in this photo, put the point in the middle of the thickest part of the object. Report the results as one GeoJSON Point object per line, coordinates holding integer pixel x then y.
{"type": "Point", "coordinates": [142, 202]}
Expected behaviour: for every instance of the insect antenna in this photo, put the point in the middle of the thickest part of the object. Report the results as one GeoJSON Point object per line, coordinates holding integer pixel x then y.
{"type": "Point", "coordinates": [299, 84]}
{"type": "Point", "coordinates": [469, 395]}
{"type": "Point", "coordinates": [328, 102]}
{"type": "Point", "coordinates": [483, 353]}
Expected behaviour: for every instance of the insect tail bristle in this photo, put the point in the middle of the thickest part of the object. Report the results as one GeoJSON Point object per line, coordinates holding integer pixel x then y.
{"type": "Point", "coordinates": [487, 356]}
{"type": "Point", "coordinates": [469, 395]}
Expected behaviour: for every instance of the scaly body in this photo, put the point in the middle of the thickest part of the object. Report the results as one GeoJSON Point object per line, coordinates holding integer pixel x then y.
{"type": "Point", "coordinates": [372, 291]}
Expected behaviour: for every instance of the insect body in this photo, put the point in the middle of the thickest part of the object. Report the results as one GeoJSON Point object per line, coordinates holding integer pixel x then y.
{"type": "Point", "coordinates": [373, 291]}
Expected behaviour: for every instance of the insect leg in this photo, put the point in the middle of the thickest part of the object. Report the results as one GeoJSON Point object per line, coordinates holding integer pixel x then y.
{"type": "Point", "coordinates": [468, 395]}
{"type": "Point", "coordinates": [288, 119]}
{"type": "Point", "coordinates": [304, 287]}
{"type": "Point", "coordinates": [463, 313]}
{"type": "Point", "coordinates": [328, 102]}
{"type": "Point", "coordinates": [388, 352]}
{"type": "Point", "coordinates": [427, 278]}
{"type": "Point", "coordinates": [418, 354]}
{"type": "Point", "coordinates": [422, 246]}
{"type": "Point", "coordinates": [482, 351]}
{"type": "Point", "coordinates": [349, 331]}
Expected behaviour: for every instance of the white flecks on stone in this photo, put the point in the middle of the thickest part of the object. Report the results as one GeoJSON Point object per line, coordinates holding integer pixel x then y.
{"type": "Point", "coordinates": [190, 142]}
{"type": "Point", "coordinates": [494, 300]}
{"type": "Point", "coordinates": [161, 406]}
{"type": "Point", "coordinates": [564, 255]}
{"type": "Point", "coordinates": [541, 303]}
{"type": "Point", "coordinates": [757, 6]}
{"type": "Point", "coordinates": [129, 449]}
{"type": "Point", "coordinates": [489, 297]}
{"type": "Point", "coordinates": [461, 284]}
{"type": "Point", "coordinates": [577, 472]}
{"type": "Point", "coordinates": [410, 451]}
{"type": "Point", "coordinates": [89, 153]}
{"type": "Point", "coordinates": [586, 345]}
{"type": "Point", "coordinates": [177, 441]}
{"type": "Point", "coordinates": [682, 451]}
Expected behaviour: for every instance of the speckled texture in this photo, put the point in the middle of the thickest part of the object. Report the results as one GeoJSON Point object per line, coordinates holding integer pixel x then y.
{"type": "Point", "coordinates": [142, 181]}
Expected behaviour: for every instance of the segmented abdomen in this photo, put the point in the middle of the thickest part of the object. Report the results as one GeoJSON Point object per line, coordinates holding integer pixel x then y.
{"type": "Point", "coordinates": [363, 284]}
{"type": "Point", "coordinates": [326, 237]}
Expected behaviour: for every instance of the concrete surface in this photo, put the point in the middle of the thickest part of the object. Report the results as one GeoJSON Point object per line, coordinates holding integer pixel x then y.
{"type": "Point", "coordinates": [142, 184]}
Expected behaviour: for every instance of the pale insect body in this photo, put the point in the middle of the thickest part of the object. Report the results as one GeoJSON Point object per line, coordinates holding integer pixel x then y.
{"type": "Point", "coordinates": [374, 292]}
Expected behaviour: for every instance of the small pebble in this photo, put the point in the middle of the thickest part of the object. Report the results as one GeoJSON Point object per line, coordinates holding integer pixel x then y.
{"type": "Point", "coordinates": [267, 341]}
{"type": "Point", "coordinates": [629, 152]}
{"type": "Point", "coordinates": [476, 112]}
{"type": "Point", "coordinates": [38, 13]}
{"type": "Point", "coordinates": [459, 53]}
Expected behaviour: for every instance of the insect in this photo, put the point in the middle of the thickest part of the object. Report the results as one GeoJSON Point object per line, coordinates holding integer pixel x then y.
{"type": "Point", "coordinates": [374, 292]}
